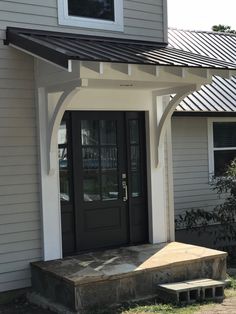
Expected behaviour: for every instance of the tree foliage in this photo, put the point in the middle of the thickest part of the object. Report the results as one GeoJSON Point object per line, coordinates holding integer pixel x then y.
{"type": "Point", "coordinates": [223, 29]}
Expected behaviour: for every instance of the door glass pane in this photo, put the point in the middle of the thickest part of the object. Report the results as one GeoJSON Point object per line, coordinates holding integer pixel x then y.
{"type": "Point", "coordinates": [136, 184]}
{"type": "Point", "coordinates": [110, 187]}
{"type": "Point", "coordinates": [109, 158]}
{"type": "Point", "coordinates": [89, 132]}
{"type": "Point", "coordinates": [91, 188]}
{"type": "Point", "coordinates": [108, 132]}
{"type": "Point", "coordinates": [97, 9]}
{"type": "Point", "coordinates": [90, 158]}
{"type": "Point", "coordinates": [134, 131]}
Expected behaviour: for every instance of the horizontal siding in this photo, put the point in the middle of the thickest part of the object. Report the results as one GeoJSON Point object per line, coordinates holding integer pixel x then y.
{"type": "Point", "coordinates": [20, 234]}
{"type": "Point", "coordinates": [143, 19]}
{"type": "Point", "coordinates": [190, 165]}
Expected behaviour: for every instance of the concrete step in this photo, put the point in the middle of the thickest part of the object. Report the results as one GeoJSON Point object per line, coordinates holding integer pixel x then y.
{"type": "Point", "coordinates": [104, 279]}
{"type": "Point", "coordinates": [192, 291]}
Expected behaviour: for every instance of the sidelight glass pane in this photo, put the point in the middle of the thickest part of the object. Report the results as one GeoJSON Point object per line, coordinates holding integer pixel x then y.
{"type": "Point", "coordinates": [97, 9]}
{"type": "Point", "coordinates": [109, 187]}
{"type": "Point", "coordinates": [62, 155]}
{"type": "Point", "coordinates": [89, 132]}
{"type": "Point", "coordinates": [135, 157]}
{"type": "Point", "coordinates": [64, 175]}
{"type": "Point", "coordinates": [136, 184]}
{"type": "Point", "coordinates": [224, 134]}
{"type": "Point", "coordinates": [64, 185]}
{"type": "Point", "coordinates": [222, 159]}
{"type": "Point", "coordinates": [109, 158]}
{"type": "Point", "coordinates": [62, 133]}
{"type": "Point", "coordinates": [134, 131]}
{"type": "Point", "coordinates": [91, 188]}
{"type": "Point", "coordinates": [90, 158]}
{"type": "Point", "coordinates": [108, 132]}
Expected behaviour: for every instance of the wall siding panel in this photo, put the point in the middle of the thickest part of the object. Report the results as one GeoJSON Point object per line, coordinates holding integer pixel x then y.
{"type": "Point", "coordinates": [190, 165]}
{"type": "Point", "coordinates": [143, 19]}
{"type": "Point", "coordinates": [20, 234]}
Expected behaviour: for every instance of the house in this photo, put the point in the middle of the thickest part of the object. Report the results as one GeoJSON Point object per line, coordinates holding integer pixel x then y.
{"type": "Point", "coordinates": [209, 115]}
{"type": "Point", "coordinates": [96, 83]}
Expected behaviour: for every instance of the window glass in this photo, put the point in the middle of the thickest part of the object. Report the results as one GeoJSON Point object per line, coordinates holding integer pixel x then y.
{"type": "Point", "coordinates": [224, 134]}
{"type": "Point", "coordinates": [224, 145]}
{"type": "Point", "coordinates": [97, 9]}
{"type": "Point", "coordinates": [222, 159]}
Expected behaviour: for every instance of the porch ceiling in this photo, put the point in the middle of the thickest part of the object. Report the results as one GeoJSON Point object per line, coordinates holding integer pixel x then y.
{"type": "Point", "coordinates": [62, 48]}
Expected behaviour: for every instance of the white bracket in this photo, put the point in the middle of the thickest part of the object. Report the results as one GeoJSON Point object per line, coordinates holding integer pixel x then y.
{"type": "Point", "coordinates": [54, 123]}
{"type": "Point", "coordinates": [168, 111]}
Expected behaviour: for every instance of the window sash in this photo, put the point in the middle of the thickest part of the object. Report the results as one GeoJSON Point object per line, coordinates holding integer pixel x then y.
{"type": "Point", "coordinates": [211, 148]}
{"type": "Point", "coordinates": [117, 25]}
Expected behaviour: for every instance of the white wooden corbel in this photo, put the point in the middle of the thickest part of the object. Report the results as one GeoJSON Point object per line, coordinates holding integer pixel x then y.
{"type": "Point", "coordinates": [54, 124]}
{"type": "Point", "coordinates": [162, 124]}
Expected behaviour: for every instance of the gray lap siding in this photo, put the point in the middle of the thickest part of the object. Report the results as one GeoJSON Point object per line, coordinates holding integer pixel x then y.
{"type": "Point", "coordinates": [20, 234]}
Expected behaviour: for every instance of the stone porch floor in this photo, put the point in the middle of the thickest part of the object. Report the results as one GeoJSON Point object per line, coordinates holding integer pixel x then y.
{"type": "Point", "coordinates": [110, 277]}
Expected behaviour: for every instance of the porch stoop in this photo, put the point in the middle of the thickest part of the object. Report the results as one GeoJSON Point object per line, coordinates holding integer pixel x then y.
{"type": "Point", "coordinates": [111, 277]}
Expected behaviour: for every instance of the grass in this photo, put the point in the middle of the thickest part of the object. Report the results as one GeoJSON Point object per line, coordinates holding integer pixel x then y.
{"type": "Point", "coordinates": [163, 309]}
{"type": "Point", "coordinates": [160, 308]}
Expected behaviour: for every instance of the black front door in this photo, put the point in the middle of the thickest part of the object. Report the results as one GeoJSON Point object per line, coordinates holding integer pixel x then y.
{"type": "Point", "coordinates": [106, 172]}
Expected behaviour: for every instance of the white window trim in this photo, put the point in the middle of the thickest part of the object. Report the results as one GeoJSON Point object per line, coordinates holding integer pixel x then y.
{"type": "Point", "coordinates": [211, 148]}
{"type": "Point", "coordinates": [65, 19]}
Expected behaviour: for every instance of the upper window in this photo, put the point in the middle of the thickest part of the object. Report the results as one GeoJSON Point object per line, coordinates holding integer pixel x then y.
{"type": "Point", "coordinates": [98, 14]}
{"type": "Point", "coordinates": [223, 145]}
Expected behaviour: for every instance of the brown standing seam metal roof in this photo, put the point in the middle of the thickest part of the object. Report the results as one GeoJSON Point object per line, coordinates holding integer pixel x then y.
{"type": "Point", "coordinates": [59, 48]}
{"type": "Point", "coordinates": [220, 96]}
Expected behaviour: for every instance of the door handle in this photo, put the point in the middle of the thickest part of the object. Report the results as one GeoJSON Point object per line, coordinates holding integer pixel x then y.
{"type": "Point", "coordinates": [125, 189]}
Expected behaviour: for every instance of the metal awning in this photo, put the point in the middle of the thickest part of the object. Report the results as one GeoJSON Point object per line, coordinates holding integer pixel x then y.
{"type": "Point", "coordinates": [61, 48]}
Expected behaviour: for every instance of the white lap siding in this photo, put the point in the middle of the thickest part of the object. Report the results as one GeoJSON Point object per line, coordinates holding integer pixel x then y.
{"type": "Point", "coordinates": [20, 241]}
{"type": "Point", "coordinates": [190, 165]}
{"type": "Point", "coordinates": [143, 19]}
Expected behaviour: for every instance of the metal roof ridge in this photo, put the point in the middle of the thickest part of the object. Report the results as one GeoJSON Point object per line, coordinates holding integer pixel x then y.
{"type": "Point", "coordinates": [201, 31]}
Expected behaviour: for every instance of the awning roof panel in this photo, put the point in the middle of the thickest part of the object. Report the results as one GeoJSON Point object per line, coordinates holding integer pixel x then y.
{"type": "Point", "coordinates": [59, 48]}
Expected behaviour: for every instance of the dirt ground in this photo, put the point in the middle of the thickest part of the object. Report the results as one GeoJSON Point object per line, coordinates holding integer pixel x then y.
{"type": "Point", "coordinates": [21, 306]}
{"type": "Point", "coordinates": [227, 307]}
